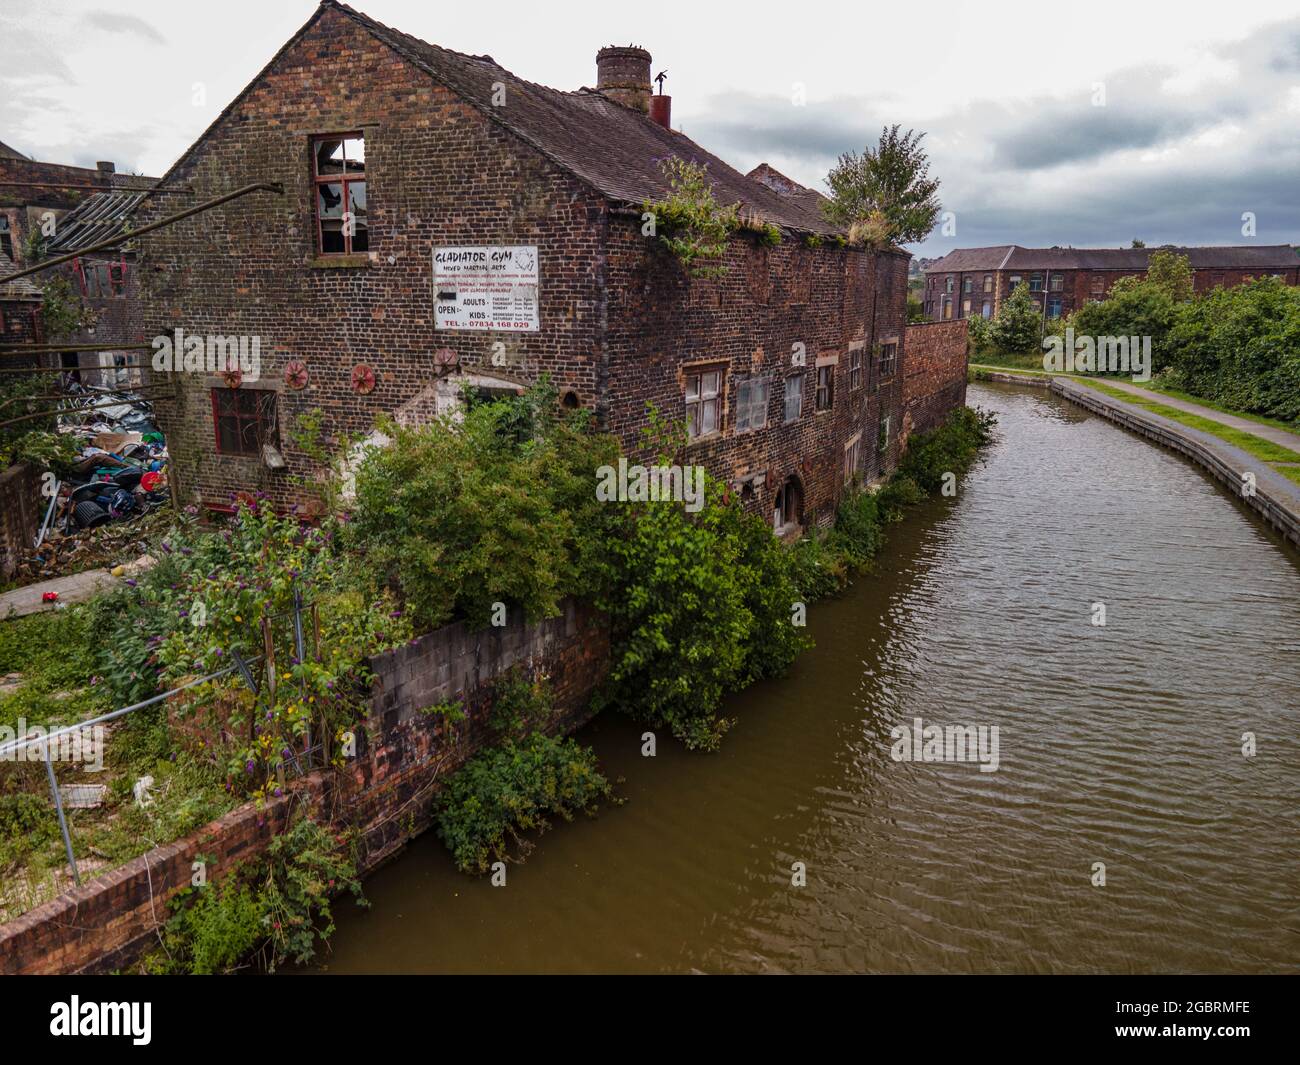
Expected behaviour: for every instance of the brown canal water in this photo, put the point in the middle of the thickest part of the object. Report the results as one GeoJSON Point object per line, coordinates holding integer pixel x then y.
{"type": "Point", "coordinates": [1118, 744]}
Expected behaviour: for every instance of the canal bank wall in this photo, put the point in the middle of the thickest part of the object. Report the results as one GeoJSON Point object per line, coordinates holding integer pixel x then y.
{"type": "Point", "coordinates": [385, 794]}
{"type": "Point", "coordinates": [1274, 498]}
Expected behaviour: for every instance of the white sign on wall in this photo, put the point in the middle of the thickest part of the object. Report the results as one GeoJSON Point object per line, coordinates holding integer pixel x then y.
{"type": "Point", "coordinates": [488, 287]}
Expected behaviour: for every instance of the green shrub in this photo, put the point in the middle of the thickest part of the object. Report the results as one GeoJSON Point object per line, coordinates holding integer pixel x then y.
{"type": "Point", "coordinates": [498, 508]}
{"type": "Point", "coordinates": [218, 929]}
{"type": "Point", "coordinates": [496, 797]}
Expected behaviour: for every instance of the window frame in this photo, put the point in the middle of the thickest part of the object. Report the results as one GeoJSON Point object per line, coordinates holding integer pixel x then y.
{"type": "Point", "coordinates": [882, 434]}
{"type": "Point", "coordinates": [747, 411]}
{"type": "Point", "coordinates": [888, 364]}
{"type": "Point", "coordinates": [718, 398]}
{"type": "Point", "coordinates": [818, 407]}
{"type": "Point", "coordinates": [852, 457]}
{"type": "Point", "coordinates": [855, 369]}
{"type": "Point", "coordinates": [344, 181]}
{"type": "Point", "coordinates": [260, 396]}
{"type": "Point", "coordinates": [797, 378]}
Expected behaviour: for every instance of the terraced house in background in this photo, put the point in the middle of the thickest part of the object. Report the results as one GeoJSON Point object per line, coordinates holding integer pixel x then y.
{"type": "Point", "coordinates": [973, 282]}
{"type": "Point", "coordinates": [445, 223]}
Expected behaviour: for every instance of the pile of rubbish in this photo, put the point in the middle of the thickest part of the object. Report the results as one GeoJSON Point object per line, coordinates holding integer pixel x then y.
{"type": "Point", "coordinates": [119, 475]}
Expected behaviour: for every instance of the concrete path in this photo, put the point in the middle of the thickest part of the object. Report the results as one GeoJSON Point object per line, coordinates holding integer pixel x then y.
{"type": "Point", "coordinates": [78, 588]}
{"type": "Point", "coordinates": [1266, 432]}
{"type": "Point", "coordinates": [1275, 498]}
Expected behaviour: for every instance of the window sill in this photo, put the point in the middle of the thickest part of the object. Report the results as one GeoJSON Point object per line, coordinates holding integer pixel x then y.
{"type": "Point", "coordinates": [340, 262]}
{"type": "Point", "coordinates": [705, 438]}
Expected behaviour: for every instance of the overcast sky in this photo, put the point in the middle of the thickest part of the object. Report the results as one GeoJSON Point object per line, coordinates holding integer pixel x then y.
{"type": "Point", "coordinates": [1048, 123]}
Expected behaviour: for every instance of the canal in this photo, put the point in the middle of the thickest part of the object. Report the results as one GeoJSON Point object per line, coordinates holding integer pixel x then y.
{"type": "Point", "coordinates": [1119, 745]}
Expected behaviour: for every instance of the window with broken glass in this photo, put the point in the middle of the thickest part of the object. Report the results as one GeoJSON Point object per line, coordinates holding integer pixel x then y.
{"type": "Point", "coordinates": [888, 359]}
{"type": "Point", "coordinates": [339, 174]}
{"type": "Point", "coordinates": [703, 402]}
{"type": "Point", "coordinates": [751, 403]}
{"type": "Point", "coordinates": [245, 419]}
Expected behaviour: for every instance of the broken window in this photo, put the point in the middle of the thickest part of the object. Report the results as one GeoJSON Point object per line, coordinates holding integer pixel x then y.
{"type": "Point", "coordinates": [101, 280]}
{"type": "Point", "coordinates": [6, 237]}
{"type": "Point", "coordinates": [751, 403]}
{"type": "Point", "coordinates": [793, 397]}
{"type": "Point", "coordinates": [339, 174]}
{"type": "Point", "coordinates": [882, 441]}
{"type": "Point", "coordinates": [788, 508]}
{"type": "Point", "coordinates": [888, 358]}
{"type": "Point", "coordinates": [825, 386]}
{"type": "Point", "coordinates": [703, 400]}
{"type": "Point", "coordinates": [855, 368]}
{"type": "Point", "coordinates": [245, 419]}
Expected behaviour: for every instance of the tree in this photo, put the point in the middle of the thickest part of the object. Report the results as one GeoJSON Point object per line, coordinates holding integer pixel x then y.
{"type": "Point", "coordinates": [1138, 243]}
{"type": "Point", "coordinates": [1172, 274]}
{"type": "Point", "coordinates": [885, 195]}
{"type": "Point", "coordinates": [1018, 326]}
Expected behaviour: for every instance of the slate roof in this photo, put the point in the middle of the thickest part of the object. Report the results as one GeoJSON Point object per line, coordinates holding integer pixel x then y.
{"type": "Point", "coordinates": [613, 148]}
{"type": "Point", "coordinates": [99, 216]}
{"type": "Point", "coordinates": [10, 153]}
{"type": "Point", "coordinates": [22, 289]}
{"type": "Point", "coordinates": [1014, 257]}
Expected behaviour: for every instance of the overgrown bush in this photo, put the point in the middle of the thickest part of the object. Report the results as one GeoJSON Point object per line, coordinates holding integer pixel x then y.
{"type": "Point", "coordinates": [272, 911]}
{"type": "Point", "coordinates": [498, 508]}
{"type": "Point", "coordinates": [491, 802]}
{"type": "Point", "coordinates": [1241, 347]}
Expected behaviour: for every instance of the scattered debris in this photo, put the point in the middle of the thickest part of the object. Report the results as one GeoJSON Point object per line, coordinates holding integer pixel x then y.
{"type": "Point", "coordinates": [83, 796]}
{"type": "Point", "coordinates": [141, 790]}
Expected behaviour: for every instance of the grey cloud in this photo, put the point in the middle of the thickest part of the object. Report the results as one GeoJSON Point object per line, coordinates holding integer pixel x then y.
{"type": "Point", "coordinates": [112, 22]}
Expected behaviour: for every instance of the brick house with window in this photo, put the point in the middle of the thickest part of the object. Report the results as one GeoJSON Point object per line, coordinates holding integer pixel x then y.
{"type": "Point", "coordinates": [972, 282]}
{"type": "Point", "coordinates": [443, 221]}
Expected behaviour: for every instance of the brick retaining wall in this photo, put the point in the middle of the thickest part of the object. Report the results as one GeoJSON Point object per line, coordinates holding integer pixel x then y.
{"type": "Point", "coordinates": [935, 373]}
{"type": "Point", "coordinates": [402, 754]}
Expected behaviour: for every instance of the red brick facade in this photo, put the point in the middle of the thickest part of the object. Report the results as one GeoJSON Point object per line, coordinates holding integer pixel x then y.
{"type": "Point", "coordinates": [619, 319]}
{"type": "Point", "coordinates": [936, 374]}
{"type": "Point", "coordinates": [971, 282]}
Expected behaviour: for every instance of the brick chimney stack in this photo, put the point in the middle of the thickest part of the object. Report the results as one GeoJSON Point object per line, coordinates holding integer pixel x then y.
{"type": "Point", "coordinates": [623, 74]}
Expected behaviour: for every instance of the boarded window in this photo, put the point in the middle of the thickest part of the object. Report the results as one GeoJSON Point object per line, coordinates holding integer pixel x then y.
{"type": "Point", "coordinates": [852, 458]}
{"type": "Point", "coordinates": [339, 174]}
{"type": "Point", "coordinates": [245, 419]}
{"type": "Point", "coordinates": [751, 403]}
{"type": "Point", "coordinates": [703, 402]}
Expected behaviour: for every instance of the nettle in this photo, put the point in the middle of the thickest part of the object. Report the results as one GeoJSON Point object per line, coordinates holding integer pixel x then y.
{"type": "Point", "coordinates": [238, 584]}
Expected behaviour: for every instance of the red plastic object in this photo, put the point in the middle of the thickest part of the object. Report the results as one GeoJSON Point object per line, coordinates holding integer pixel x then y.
{"type": "Point", "coordinates": [149, 482]}
{"type": "Point", "coordinates": [49, 597]}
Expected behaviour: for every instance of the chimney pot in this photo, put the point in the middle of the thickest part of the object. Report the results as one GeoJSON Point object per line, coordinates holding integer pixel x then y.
{"type": "Point", "coordinates": [661, 110]}
{"type": "Point", "coordinates": [623, 74]}
{"type": "Point", "coordinates": [106, 167]}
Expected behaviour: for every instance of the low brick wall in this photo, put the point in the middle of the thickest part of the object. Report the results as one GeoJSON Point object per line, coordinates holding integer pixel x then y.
{"type": "Point", "coordinates": [934, 381]}
{"type": "Point", "coordinates": [20, 514]}
{"type": "Point", "coordinates": [386, 794]}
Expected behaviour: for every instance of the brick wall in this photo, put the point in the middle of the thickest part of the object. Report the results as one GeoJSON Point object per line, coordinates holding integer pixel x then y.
{"type": "Point", "coordinates": [438, 173]}
{"type": "Point", "coordinates": [619, 320]}
{"type": "Point", "coordinates": [402, 756]}
{"type": "Point", "coordinates": [935, 378]}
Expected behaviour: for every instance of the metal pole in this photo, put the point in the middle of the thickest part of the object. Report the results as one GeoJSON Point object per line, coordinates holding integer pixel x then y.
{"type": "Point", "coordinates": [301, 651]}
{"type": "Point", "coordinates": [58, 806]}
{"type": "Point", "coordinates": [121, 238]}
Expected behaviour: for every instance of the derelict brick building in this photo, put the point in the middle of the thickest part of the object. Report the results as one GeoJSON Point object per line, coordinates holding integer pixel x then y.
{"type": "Point", "coordinates": [393, 153]}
